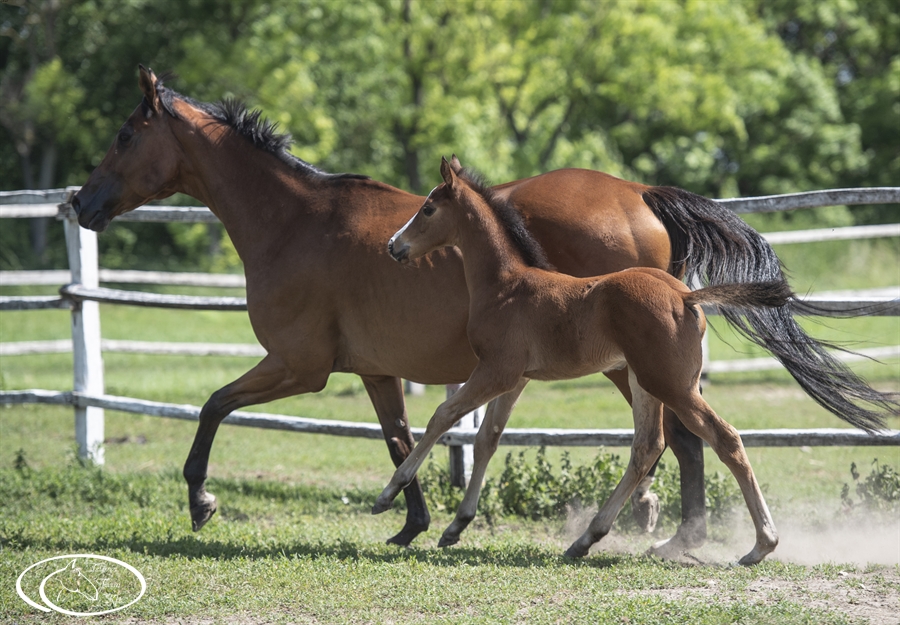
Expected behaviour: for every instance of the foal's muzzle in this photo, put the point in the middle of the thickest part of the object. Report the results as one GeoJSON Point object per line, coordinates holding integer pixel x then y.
{"type": "Point", "coordinates": [401, 254]}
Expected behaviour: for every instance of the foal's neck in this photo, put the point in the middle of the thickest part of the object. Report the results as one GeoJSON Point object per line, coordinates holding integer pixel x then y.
{"type": "Point", "coordinates": [490, 258]}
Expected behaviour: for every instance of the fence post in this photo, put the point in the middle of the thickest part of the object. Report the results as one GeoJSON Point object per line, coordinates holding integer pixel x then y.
{"type": "Point", "coordinates": [81, 246]}
{"type": "Point", "coordinates": [413, 388]}
{"type": "Point", "coordinates": [462, 456]}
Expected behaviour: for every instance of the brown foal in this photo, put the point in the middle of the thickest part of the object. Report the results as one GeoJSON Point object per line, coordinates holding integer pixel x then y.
{"type": "Point", "coordinates": [527, 321]}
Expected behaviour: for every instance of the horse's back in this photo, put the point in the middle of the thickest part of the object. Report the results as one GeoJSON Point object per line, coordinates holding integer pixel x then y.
{"type": "Point", "coordinates": [590, 223]}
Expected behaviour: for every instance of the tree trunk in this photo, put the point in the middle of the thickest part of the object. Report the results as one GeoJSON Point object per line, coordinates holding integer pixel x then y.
{"type": "Point", "coordinates": [40, 225]}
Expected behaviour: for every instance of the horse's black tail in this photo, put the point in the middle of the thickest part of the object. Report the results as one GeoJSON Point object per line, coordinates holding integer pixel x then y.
{"type": "Point", "coordinates": [711, 245]}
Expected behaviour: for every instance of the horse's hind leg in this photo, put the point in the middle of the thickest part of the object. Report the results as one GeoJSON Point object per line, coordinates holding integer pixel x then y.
{"type": "Point", "coordinates": [701, 419]}
{"type": "Point", "coordinates": [648, 445]}
{"type": "Point", "coordinates": [486, 443]}
{"type": "Point", "coordinates": [267, 381]}
{"type": "Point", "coordinates": [386, 394]}
{"type": "Point", "coordinates": [688, 450]}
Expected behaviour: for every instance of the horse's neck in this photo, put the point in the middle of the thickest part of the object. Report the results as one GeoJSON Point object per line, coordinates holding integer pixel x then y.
{"type": "Point", "coordinates": [252, 192]}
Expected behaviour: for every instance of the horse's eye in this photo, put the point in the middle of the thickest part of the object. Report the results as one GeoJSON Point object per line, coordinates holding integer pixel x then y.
{"type": "Point", "coordinates": [428, 210]}
{"type": "Point", "coordinates": [125, 134]}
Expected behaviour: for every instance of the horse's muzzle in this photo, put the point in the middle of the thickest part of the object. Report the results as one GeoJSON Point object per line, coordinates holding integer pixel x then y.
{"type": "Point", "coordinates": [401, 255]}
{"type": "Point", "coordinates": [87, 218]}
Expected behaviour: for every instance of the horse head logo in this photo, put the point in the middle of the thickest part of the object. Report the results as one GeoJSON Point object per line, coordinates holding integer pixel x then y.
{"type": "Point", "coordinates": [99, 582]}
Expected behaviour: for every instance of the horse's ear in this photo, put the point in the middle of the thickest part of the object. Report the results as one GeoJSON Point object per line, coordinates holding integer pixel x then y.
{"type": "Point", "coordinates": [147, 83]}
{"type": "Point", "coordinates": [447, 172]}
{"type": "Point", "coordinates": [455, 164]}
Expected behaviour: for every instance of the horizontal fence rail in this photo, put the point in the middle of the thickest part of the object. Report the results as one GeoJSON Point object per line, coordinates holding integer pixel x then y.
{"type": "Point", "coordinates": [59, 277]}
{"type": "Point", "coordinates": [813, 199]}
{"type": "Point", "coordinates": [85, 293]}
{"type": "Point", "coordinates": [524, 437]}
{"type": "Point", "coordinates": [45, 204]}
{"type": "Point", "coordinates": [824, 306]}
{"type": "Point", "coordinates": [178, 278]}
{"type": "Point", "coordinates": [61, 346]}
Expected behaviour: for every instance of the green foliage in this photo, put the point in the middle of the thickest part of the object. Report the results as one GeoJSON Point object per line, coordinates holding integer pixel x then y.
{"type": "Point", "coordinates": [722, 98]}
{"type": "Point", "coordinates": [82, 485]}
{"type": "Point", "coordinates": [533, 490]}
{"type": "Point", "coordinates": [878, 492]}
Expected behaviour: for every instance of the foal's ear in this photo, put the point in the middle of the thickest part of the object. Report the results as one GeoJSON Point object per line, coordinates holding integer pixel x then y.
{"type": "Point", "coordinates": [147, 83]}
{"type": "Point", "coordinates": [447, 173]}
{"type": "Point", "coordinates": [455, 165]}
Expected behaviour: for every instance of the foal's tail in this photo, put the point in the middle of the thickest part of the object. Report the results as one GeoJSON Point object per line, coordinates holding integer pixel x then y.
{"type": "Point", "coordinates": [743, 295]}
{"type": "Point", "coordinates": [713, 246]}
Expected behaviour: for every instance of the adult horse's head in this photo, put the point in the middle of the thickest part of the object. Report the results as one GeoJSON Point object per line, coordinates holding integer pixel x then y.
{"type": "Point", "coordinates": [434, 225]}
{"type": "Point", "coordinates": [140, 165]}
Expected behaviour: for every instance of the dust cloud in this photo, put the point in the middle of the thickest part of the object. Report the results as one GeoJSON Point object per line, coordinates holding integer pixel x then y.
{"type": "Point", "coordinates": [807, 535]}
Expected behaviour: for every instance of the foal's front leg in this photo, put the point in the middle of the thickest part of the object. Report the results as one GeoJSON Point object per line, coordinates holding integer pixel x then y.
{"type": "Point", "coordinates": [481, 387]}
{"type": "Point", "coordinates": [486, 443]}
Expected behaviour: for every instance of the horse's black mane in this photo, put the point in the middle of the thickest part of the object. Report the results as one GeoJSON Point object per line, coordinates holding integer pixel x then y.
{"type": "Point", "coordinates": [510, 219]}
{"type": "Point", "coordinates": [250, 124]}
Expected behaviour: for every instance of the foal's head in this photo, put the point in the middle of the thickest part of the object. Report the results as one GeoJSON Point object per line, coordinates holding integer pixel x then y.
{"type": "Point", "coordinates": [463, 196]}
{"type": "Point", "coordinates": [435, 225]}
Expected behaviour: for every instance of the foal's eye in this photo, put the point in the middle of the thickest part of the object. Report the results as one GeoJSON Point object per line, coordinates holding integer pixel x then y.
{"type": "Point", "coordinates": [428, 210]}
{"type": "Point", "coordinates": [125, 134]}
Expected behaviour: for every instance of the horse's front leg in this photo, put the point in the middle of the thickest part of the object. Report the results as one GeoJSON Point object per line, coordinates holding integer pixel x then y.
{"type": "Point", "coordinates": [486, 443]}
{"type": "Point", "coordinates": [481, 387]}
{"type": "Point", "coordinates": [648, 445]}
{"type": "Point", "coordinates": [267, 381]}
{"type": "Point", "coordinates": [386, 394]}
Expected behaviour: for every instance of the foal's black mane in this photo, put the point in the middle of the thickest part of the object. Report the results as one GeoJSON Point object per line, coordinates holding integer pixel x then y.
{"type": "Point", "coordinates": [250, 124]}
{"type": "Point", "coordinates": [510, 219]}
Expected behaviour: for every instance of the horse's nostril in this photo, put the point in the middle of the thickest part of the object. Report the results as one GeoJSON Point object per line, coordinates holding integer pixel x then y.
{"type": "Point", "coordinates": [76, 204]}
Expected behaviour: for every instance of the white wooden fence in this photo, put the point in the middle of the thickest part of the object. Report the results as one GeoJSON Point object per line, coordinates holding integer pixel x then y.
{"type": "Point", "coordinates": [83, 294]}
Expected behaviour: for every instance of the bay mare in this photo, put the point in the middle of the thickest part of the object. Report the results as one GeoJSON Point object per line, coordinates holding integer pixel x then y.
{"type": "Point", "coordinates": [322, 292]}
{"type": "Point", "coordinates": [526, 321]}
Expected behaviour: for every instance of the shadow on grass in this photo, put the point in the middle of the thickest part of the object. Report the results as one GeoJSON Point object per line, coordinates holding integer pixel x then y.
{"type": "Point", "coordinates": [521, 556]}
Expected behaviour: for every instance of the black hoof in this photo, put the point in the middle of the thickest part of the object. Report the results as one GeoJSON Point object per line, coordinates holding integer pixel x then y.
{"type": "Point", "coordinates": [380, 507]}
{"type": "Point", "coordinates": [576, 552]}
{"type": "Point", "coordinates": [448, 541]}
{"type": "Point", "coordinates": [407, 535]}
{"type": "Point", "coordinates": [202, 511]}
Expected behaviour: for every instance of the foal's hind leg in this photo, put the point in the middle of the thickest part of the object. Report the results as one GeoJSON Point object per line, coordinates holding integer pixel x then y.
{"type": "Point", "coordinates": [701, 419]}
{"type": "Point", "coordinates": [267, 381]}
{"type": "Point", "coordinates": [644, 503]}
{"type": "Point", "coordinates": [386, 394]}
{"type": "Point", "coordinates": [648, 445]}
{"type": "Point", "coordinates": [486, 443]}
{"type": "Point", "coordinates": [688, 450]}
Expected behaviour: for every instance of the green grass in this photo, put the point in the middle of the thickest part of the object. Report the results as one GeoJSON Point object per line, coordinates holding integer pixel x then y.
{"type": "Point", "coordinates": [280, 552]}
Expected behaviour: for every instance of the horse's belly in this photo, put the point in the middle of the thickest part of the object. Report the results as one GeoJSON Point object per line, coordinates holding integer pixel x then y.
{"type": "Point", "coordinates": [579, 364]}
